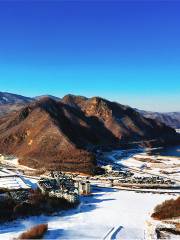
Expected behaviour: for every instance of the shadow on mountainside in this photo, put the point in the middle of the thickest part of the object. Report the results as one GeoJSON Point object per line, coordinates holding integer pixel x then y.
{"type": "Point", "coordinates": [79, 128]}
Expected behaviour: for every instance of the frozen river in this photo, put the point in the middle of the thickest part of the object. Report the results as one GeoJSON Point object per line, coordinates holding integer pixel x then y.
{"type": "Point", "coordinates": [123, 212]}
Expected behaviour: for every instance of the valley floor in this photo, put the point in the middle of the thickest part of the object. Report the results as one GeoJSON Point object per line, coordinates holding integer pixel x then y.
{"type": "Point", "coordinates": [106, 214]}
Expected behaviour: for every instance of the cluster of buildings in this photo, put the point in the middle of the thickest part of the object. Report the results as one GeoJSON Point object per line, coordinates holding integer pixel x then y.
{"type": "Point", "coordinates": [63, 186]}
{"type": "Point", "coordinates": [154, 180]}
{"type": "Point", "coordinates": [120, 173]}
{"type": "Point", "coordinates": [6, 157]}
{"type": "Point", "coordinates": [14, 185]}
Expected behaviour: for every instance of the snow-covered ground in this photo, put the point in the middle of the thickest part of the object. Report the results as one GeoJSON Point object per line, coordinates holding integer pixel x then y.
{"type": "Point", "coordinates": [15, 180]}
{"type": "Point", "coordinates": [13, 183]}
{"type": "Point", "coordinates": [122, 214]}
{"type": "Point", "coordinates": [178, 130]}
{"type": "Point", "coordinates": [167, 166]}
{"type": "Point", "coordinates": [13, 162]}
{"type": "Point", "coordinates": [106, 214]}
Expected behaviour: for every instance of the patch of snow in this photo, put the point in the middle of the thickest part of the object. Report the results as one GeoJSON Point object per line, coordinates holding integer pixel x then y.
{"type": "Point", "coordinates": [12, 183]}
{"type": "Point", "coordinates": [125, 212]}
{"type": "Point", "coordinates": [5, 99]}
{"type": "Point", "coordinates": [160, 165]}
{"type": "Point", "coordinates": [30, 182]}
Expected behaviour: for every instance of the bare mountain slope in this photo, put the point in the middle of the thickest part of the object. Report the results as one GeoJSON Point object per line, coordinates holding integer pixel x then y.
{"type": "Point", "coordinates": [54, 135]}
{"type": "Point", "coordinates": [64, 134]}
{"type": "Point", "coordinates": [12, 102]}
{"type": "Point", "coordinates": [124, 122]}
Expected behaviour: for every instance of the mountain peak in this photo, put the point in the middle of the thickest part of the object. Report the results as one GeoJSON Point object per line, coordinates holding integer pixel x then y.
{"type": "Point", "coordinates": [63, 134]}
{"type": "Point", "coordinates": [49, 96]}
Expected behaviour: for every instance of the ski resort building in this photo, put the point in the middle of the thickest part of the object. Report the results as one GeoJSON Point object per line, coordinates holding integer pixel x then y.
{"type": "Point", "coordinates": [59, 185]}
{"type": "Point", "coordinates": [84, 187]}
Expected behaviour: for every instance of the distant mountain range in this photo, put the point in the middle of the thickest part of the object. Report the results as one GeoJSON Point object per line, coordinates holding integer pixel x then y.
{"type": "Point", "coordinates": [12, 102]}
{"type": "Point", "coordinates": [171, 119]}
{"type": "Point", "coordinates": [65, 133]}
{"type": "Point", "coordinates": [10, 98]}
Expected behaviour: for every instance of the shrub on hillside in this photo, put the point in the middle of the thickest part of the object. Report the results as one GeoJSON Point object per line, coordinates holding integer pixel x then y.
{"type": "Point", "coordinates": [6, 209]}
{"type": "Point", "coordinates": [37, 198]}
{"type": "Point", "coordinates": [168, 209]}
{"type": "Point", "coordinates": [37, 203]}
{"type": "Point", "coordinates": [22, 209]}
{"type": "Point", "coordinates": [36, 232]}
{"type": "Point", "coordinates": [59, 203]}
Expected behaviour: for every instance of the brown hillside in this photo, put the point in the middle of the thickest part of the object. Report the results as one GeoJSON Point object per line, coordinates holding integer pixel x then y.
{"type": "Point", "coordinates": [63, 134]}
{"type": "Point", "coordinates": [124, 122]}
{"type": "Point", "coordinates": [53, 135]}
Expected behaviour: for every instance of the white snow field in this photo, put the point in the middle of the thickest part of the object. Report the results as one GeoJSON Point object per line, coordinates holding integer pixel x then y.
{"type": "Point", "coordinates": [12, 180]}
{"type": "Point", "coordinates": [106, 214]}
{"type": "Point", "coordinates": [13, 183]}
{"type": "Point", "coordinates": [165, 166]}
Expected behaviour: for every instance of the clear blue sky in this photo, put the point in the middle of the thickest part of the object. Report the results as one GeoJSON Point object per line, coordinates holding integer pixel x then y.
{"type": "Point", "coordinates": [124, 51]}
